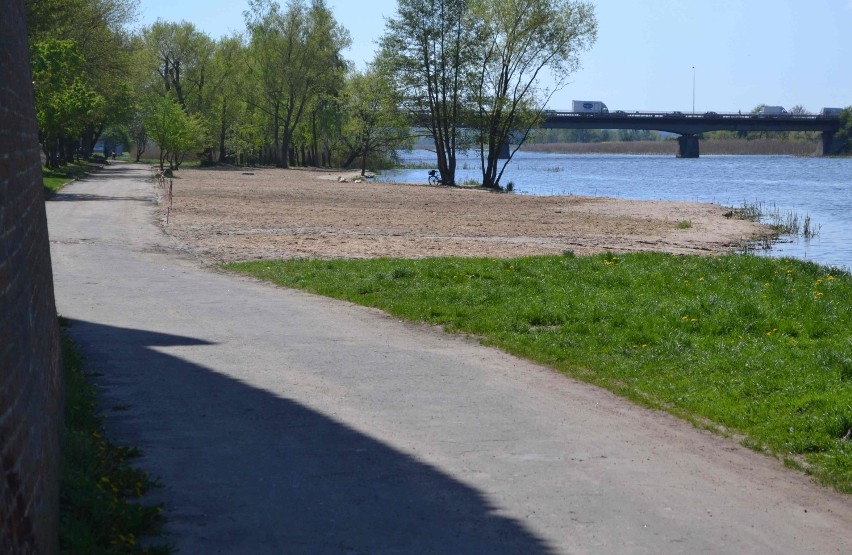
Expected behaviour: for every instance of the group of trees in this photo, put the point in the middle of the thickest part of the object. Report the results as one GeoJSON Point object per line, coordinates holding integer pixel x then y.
{"type": "Point", "coordinates": [797, 110]}
{"type": "Point", "coordinates": [280, 94]}
{"type": "Point", "coordinates": [468, 72]}
{"type": "Point", "coordinates": [843, 139]}
{"type": "Point", "coordinates": [80, 60]}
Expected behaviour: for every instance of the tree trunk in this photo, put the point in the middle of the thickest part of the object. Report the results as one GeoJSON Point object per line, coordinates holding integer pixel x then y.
{"type": "Point", "coordinates": [222, 130]}
{"type": "Point", "coordinates": [355, 153]}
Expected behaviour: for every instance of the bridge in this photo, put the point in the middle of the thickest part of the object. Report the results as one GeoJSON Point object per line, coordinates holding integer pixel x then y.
{"type": "Point", "coordinates": [689, 125]}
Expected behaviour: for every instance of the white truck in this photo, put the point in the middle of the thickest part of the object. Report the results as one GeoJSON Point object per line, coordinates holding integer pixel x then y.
{"type": "Point", "coordinates": [772, 111]}
{"type": "Point", "coordinates": [590, 107]}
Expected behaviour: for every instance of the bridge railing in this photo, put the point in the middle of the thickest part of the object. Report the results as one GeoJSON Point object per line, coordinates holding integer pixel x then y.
{"type": "Point", "coordinates": [683, 115]}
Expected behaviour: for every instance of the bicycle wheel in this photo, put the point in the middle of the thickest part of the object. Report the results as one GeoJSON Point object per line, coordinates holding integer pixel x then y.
{"type": "Point", "coordinates": [433, 180]}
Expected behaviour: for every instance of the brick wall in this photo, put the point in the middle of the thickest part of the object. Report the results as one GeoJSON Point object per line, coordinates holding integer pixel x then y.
{"type": "Point", "coordinates": [31, 390]}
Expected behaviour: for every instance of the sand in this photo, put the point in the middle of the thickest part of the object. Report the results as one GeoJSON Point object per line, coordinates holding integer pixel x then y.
{"type": "Point", "coordinates": [229, 214]}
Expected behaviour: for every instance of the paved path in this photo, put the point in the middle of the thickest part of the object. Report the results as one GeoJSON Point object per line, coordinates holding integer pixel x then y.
{"type": "Point", "coordinates": [281, 422]}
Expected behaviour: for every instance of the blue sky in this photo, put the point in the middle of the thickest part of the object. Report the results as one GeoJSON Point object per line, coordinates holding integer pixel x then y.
{"type": "Point", "coordinates": [745, 52]}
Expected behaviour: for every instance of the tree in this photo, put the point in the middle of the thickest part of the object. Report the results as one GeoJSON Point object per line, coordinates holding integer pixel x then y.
{"type": "Point", "coordinates": [521, 41]}
{"type": "Point", "coordinates": [375, 125]}
{"type": "Point", "coordinates": [64, 101]}
{"type": "Point", "coordinates": [843, 138]}
{"type": "Point", "coordinates": [138, 133]}
{"type": "Point", "coordinates": [226, 102]}
{"type": "Point", "coordinates": [800, 110]}
{"type": "Point", "coordinates": [174, 131]}
{"type": "Point", "coordinates": [92, 92]}
{"type": "Point", "coordinates": [470, 70]}
{"type": "Point", "coordinates": [182, 55]}
{"type": "Point", "coordinates": [429, 48]}
{"type": "Point", "coordinates": [295, 56]}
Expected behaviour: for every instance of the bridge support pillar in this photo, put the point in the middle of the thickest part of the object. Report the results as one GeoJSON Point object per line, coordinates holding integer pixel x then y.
{"type": "Point", "coordinates": [504, 151]}
{"type": "Point", "coordinates": [829, 145]}
{"type": "Point", "coordinates": [687, 146]}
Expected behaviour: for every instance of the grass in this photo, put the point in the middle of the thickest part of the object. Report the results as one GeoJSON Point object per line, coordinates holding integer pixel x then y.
{"type": "Point", "coordinates": [54, 179]}
{"type": "Point", "coordinates": [156, 162]}
{"type": "Point", "coordinates": [684, 224]}
{"type": "Point", "coordinates": [99, 508]}
{"type": "Point", "coordinates": [748, 346]}
{"type": "Point", "coordinates": [783, 222]}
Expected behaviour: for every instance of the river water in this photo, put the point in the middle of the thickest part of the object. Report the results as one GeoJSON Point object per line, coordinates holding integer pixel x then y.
{"type": "Point", "coordinates": [817, 187]}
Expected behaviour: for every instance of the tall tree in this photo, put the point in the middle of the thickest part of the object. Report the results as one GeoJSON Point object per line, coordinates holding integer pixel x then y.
{"type": "Point", "coordinates": [521, 41]}
{"type": "Point", "coordinates": [95, 31]}
{"type": "Point", "coordinates": [295, 55]}
{"type": "Point", "coordinates": [64, 102]}
{"type": "Point", "coordinates": [429, 47]}
{"type": "Point", "coordinates": [226, 102]}
{"type": "Point", "coordinates": [182, 55]}
{"type": "Point", "coordinates": [376, 124]}
{"type": "Point", "coordinates": [175, 132]}
{"type": "Point", "coordinates": [843, 139]}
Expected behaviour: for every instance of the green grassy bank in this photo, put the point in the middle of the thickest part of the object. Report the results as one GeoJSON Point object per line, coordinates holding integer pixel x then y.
{"type": "Point", "coordinates": [54, 179]}
{"type": "Point", "coordinates": [744, 345]}
{"type": "Point", "coordinates": [99, 508]}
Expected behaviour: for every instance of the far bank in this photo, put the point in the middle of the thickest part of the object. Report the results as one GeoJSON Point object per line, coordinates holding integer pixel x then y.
{"type": "Point", "coordinates": [733, 147]}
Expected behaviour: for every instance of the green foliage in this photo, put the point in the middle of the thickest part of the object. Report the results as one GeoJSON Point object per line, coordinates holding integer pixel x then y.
{"type": "Point", "coordinates": [516, 42]}
{"type": "Point", "coordinates": [65, 103]}
{"type": "Point", "coordinates": [80, 61]}
{"type": "Point", "coordinates": [430, 50]}
{"type": "Point", "coordinates": [844, 136]}
{"type": "Point", "coordinates": [174, 131]}
{"type": "Point", "coordinates": [375, 124]}
{"type": "Point", "coordinates": [182, 54]}
{"type": "Point", "coordinates": [98, 511]}
{"type": "Point", "coordinates": [470, 71]}
{"type": "Point", "coordinates": [544, 136]}
{"type": "Point", "coordinates": [758, 346]}
{"type": "Point", "coordinates": [294, 60]}
{"type": "Point", "coordinates": [54, 179]}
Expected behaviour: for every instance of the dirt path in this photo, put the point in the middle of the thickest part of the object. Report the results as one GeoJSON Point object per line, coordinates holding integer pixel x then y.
{"type": "Point", "coordinates": [226, 215]}
{"type": "Point", "coordinates": [286, 423]}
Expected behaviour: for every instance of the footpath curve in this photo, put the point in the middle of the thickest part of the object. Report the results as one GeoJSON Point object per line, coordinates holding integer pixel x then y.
{"type": "Point", "coordinates": [282, 422]}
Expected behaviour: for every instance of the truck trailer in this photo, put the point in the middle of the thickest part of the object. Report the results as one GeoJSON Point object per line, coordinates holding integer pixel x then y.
{"type": "Point", "coordinates": [590, 107]}
{"type": "Point", "coordinates": [772, 111]}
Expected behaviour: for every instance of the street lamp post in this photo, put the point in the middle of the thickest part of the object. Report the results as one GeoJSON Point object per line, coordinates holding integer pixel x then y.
{"type": "Point", "coordinates": [693, 90]}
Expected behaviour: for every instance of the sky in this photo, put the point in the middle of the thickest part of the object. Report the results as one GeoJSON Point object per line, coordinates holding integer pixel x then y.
{"type": "Point", "coordinates": [649, 53]}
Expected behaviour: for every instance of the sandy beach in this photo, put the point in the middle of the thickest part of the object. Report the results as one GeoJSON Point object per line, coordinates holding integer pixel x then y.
{"type": "Point", "coordinates": [229, 214]}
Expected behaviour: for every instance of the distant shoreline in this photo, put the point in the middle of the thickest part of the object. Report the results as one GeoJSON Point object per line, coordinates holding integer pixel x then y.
{"type": "Point", "coordinates": [730, 147]}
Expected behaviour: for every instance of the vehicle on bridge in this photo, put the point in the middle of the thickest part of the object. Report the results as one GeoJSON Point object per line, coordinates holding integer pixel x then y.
{"type": "Point", "coordinates": [831, 112]}
{"type": "Point", "coordinates": [772, 111]}
{"type": "Point", "coordinates": [590, 107]}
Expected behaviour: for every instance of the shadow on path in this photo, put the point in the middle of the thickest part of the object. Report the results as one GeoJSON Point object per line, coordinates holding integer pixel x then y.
{"type": "Point", "coordinates": [81, 197]}
{"type": "Point", "coordinates": [250, 471]}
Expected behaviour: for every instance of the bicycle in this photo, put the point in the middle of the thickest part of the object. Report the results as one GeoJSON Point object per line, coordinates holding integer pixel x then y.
{"type": "Point", "coordinates": [434, 177]}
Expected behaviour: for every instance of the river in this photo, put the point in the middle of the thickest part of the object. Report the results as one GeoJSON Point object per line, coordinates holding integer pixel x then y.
{"type": "Point", "coordinates": [817, 187]}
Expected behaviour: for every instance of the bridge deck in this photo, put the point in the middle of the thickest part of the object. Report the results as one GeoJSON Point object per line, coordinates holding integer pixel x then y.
{"type": "Point", "coordinates": [688, 124]}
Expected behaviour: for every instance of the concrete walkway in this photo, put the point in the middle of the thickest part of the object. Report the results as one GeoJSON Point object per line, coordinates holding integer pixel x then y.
{"type": "Point", "coordinates": [281, 422]}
